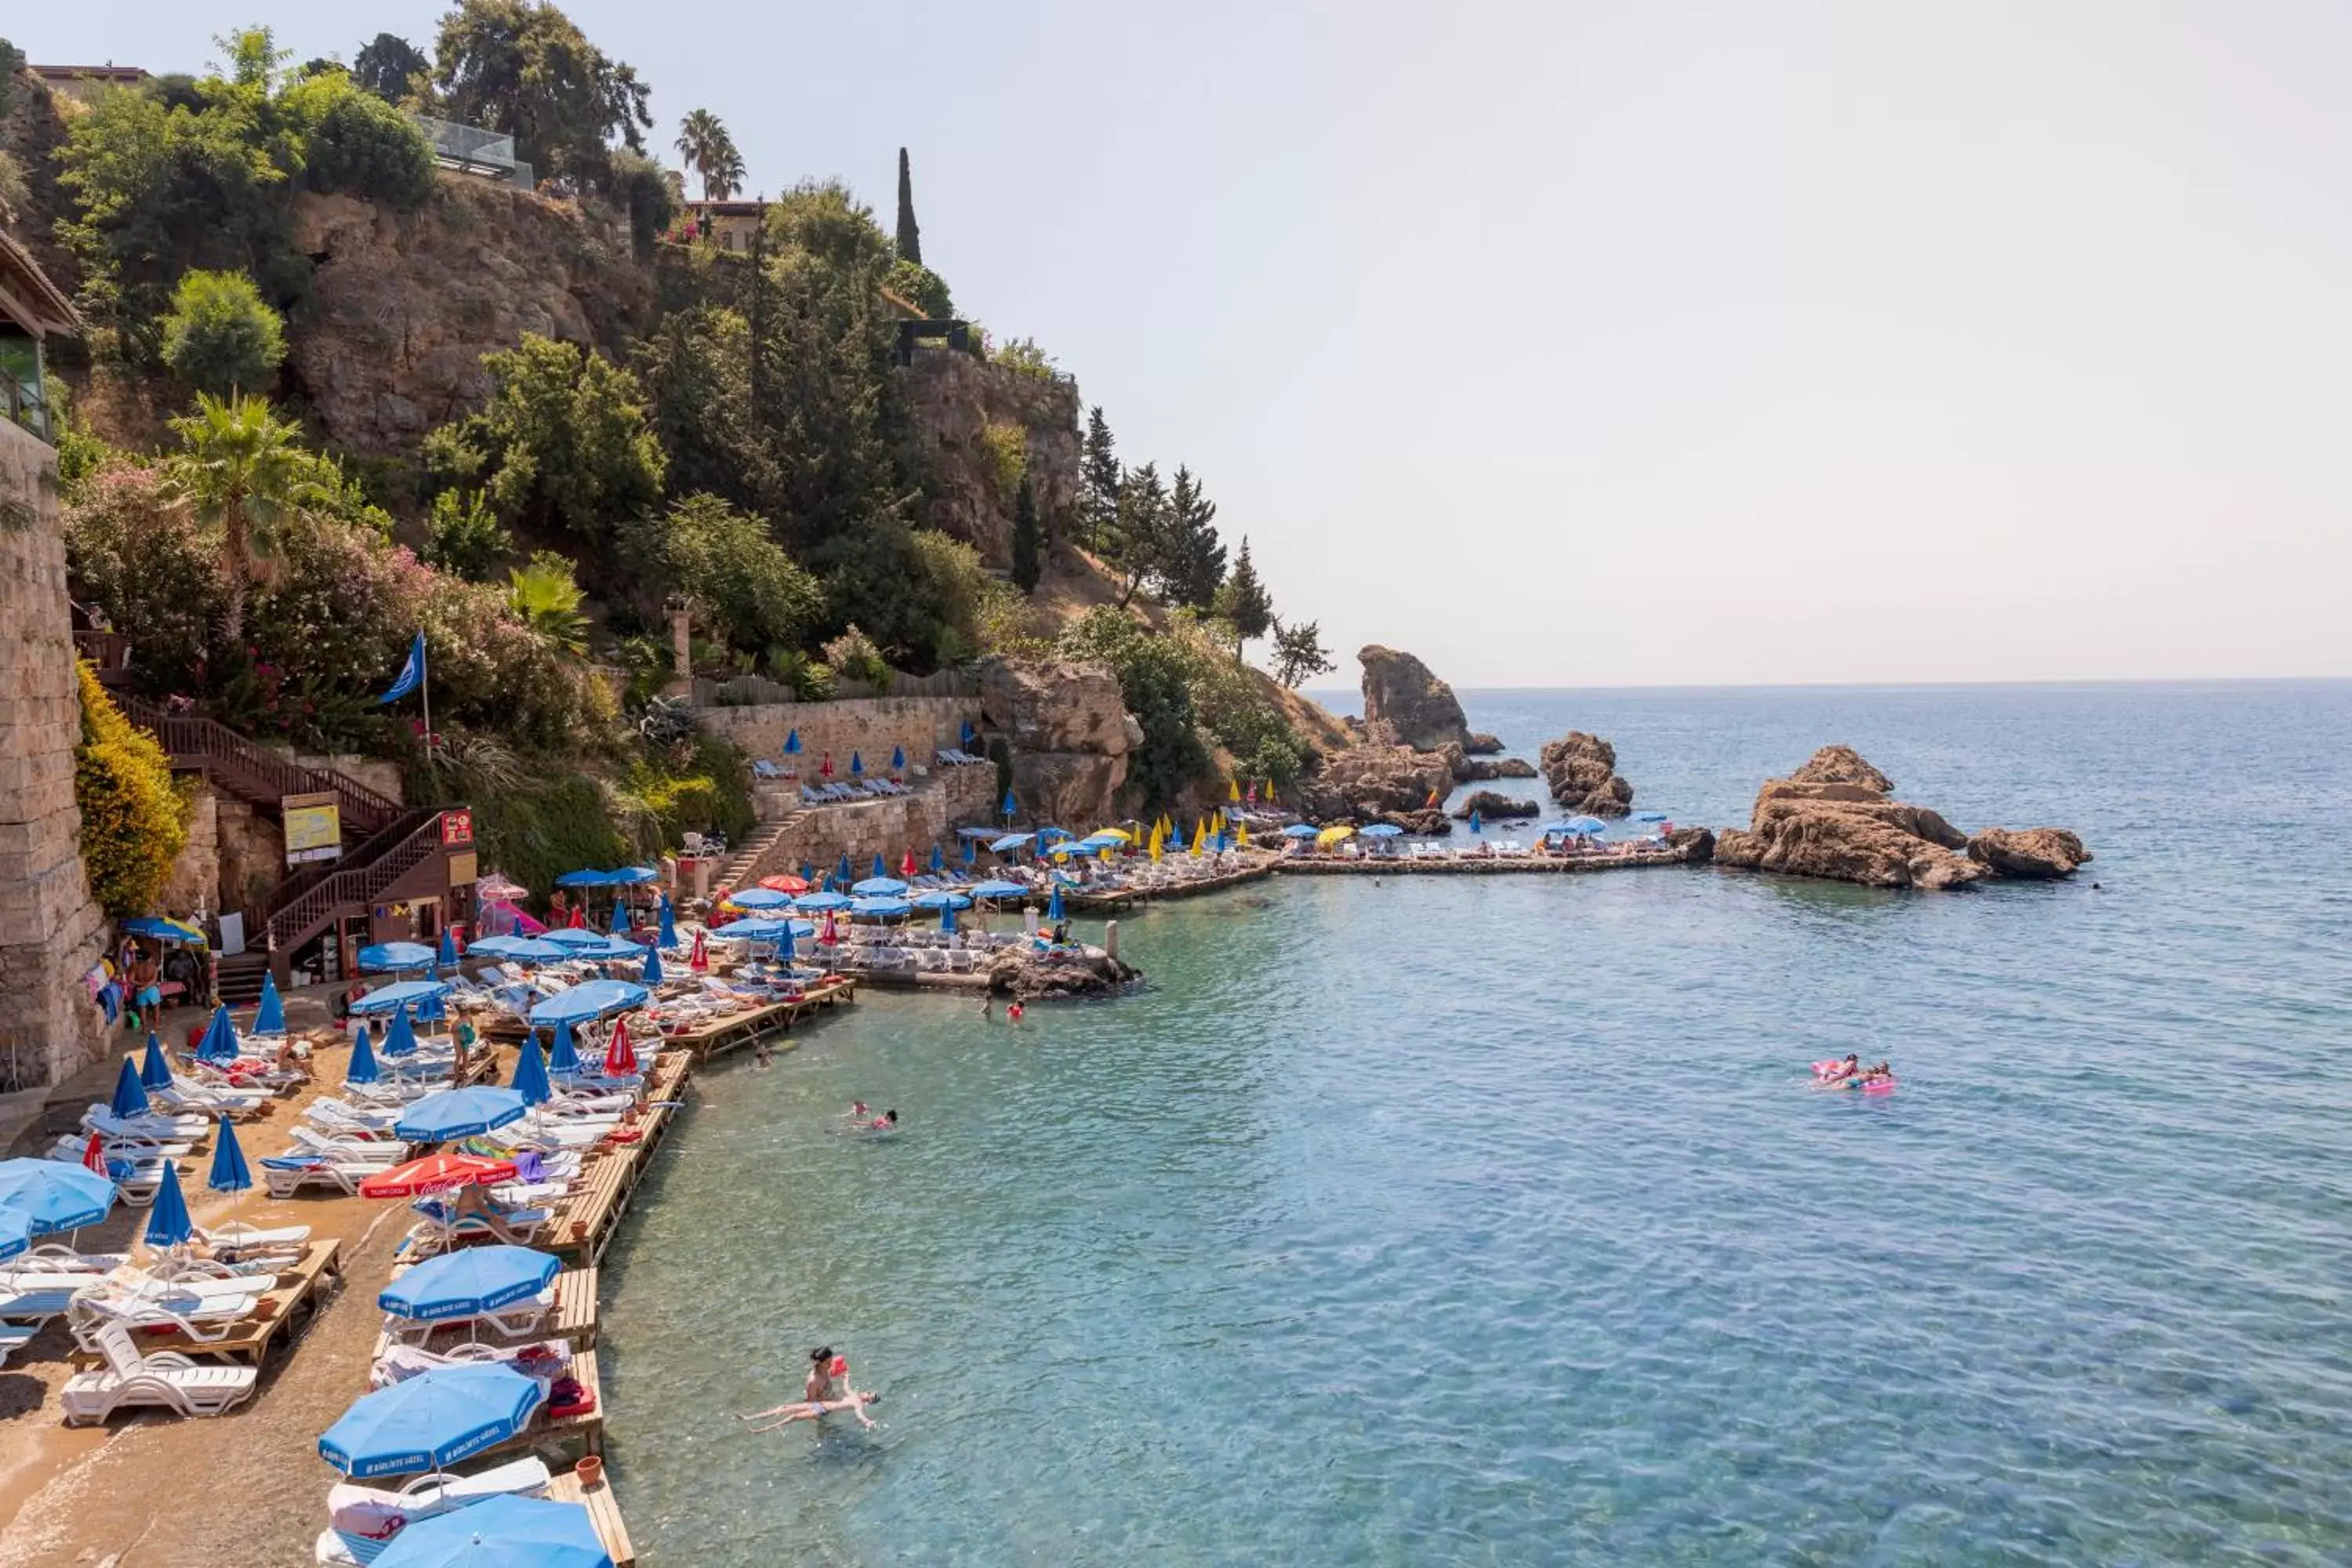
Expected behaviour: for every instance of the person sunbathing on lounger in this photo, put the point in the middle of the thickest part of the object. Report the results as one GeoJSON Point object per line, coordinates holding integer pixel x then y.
{"type": "Point", "coordinates": [811, 1409]}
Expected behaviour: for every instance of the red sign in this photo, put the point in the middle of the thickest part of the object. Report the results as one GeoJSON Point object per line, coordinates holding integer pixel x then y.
{"type": "Point", "coordinates": [456, 828]}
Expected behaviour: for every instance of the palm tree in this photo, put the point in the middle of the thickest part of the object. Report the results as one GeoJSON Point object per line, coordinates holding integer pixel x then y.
{"type": "Point", "coordinates": [544, 597]}
{"type": "Point", "coordinates": [710, 152]}
{"type": "Point", "coordinates": [240, 467]}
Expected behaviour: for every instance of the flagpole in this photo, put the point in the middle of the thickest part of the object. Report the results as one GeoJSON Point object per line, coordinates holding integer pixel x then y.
{"type": "Point", "coordinates": [424, 686]}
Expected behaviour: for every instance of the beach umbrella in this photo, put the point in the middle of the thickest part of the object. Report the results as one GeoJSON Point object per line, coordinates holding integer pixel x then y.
{"type": "Point", "coordinates": [1474, 822]}
{"type": "Point", "coordinates": [785, 884]}
{"type": "Point", "coordinates": [621, 1053]}
{"type": "Point", "coordinates": [457, 1113]}
{"type": "Point", "coordinates": [970, 852]}
{"type": "Point", "coordinates": [578, 920]}
{"type": "Point", "coordinates": [522, 949]}
{"type": "Point", "coordinates": [880, 907]}
{"type": "Point", "coordinates": [653, 970]}
{"type": "Point", "coordinates": [1233, 789]}
{"type": "Point", "coordinates": [168, 1224]}
{"type": "Point", "coordinates": [1299, 830]}
{"type": "Point", "coordinates": [1585, 826]}
{"type": "Point", "coordinates": [1334, 835]}
{"type": "Point", "coordinates": [1011, 843]}
{"type": "Point", "coordinates": [907, 864]}
{"type": "Point", "coordinates": [965, 736]}
{"type": "Point", "coordinates": [1053, 905]}
{"type": "Point", "coordinates": [15, 1234]}
{"type": "Point", "coordinates": [162, 929]}
{"type": "Point", "coordinates": [767, 928]}
{"type": "Point", "coordinates": [817, 903]}
{"type": "Point", "coordinates": [363, 1068]}
{"type": "Point", "coordinates": [792, 743]}
{"type": "Point", "coordinates": [93, 1158]}
{"type": "Point", "coordinates": [230, 1173]}
{"type": "Point", "coordinates": [605, 949]}
{"type": "Point", "coordinates": [880, 868]}
{"type": "Point", "coordinates": [1000, 889]}
{"type": "Point", "coordinates": [219, 1044]}
{"type": "Point", "coordinates": [129, 1095]}
{"type": "Point", "coordinates": [155, 1067]}
{"type": "Point", "coordinates": [510, 1531]}
{"type": "Point", "coordinates": [1008, 805]}
{"type": "Point", "coordinates": [897, 758]}
{"type": "Point", "coordinates": [940, 899]}
{"type": "Point", "coordinates": [668, 918]}
{"type": "Point", "coordinates": [879, 887]}
{"type": "Point", "coordinates": [563, 1056]}
{"type": "Point", "coordinates": [620, 925]}
{"type": "Point", "coordinates": [448, 952]}
{"type": "Point", "coordinates": [588, 876]}
{"type": "Point", "coordinates": [785, 943]}
{"type": "Point", "coordinates": [939, 861]}
{"type": "Point", "coordinates": [572, 939]}
{"type": "Point", "coordinates": [842, 873]}
{"type": "Point", "coordinates": [53, 1195]}
{"type": "Point", "coordinates": [432, 1421]}
{"type": "Point", "coordinates": [590, 999]}
{"type": "Point", "coordinates": [439, 1172]}
{"type": "Point", "coordinates": [1111, 836]}
{"type": "Point", "coordinates": [699, 960]}
{"type": "Point", "coordinates": [400, 1040]}
{"type": "Point", "coordinates": [856, 765]}
{"type": "Point", "coordinates": [947, 918]}
{"type": "Point", "coordinates": [468, 1281]}
{"type": "Point", "coordinates": [391, 957]}
{"type": "Point", "coordinates": [1383, 830]}
{"type": "Point", "coordinates": [270, 1017]}
{"type": "Point", "coordinates": [400, 997]}
{"type": "Point", "coordinates": [758, 898]}
{"type": "Point", "coordinates": [832, 936]}
{"type": "Point", "coordinates": [531, 1074]}
{"type": "Point", "coordinates": [1241, 835]}
{"type": "Point", "coordinates": [430, 1011]}
{"type": "Point", "coordinates": [1176, 840]}
{"type": "Point", "coordinates": [825, 767]}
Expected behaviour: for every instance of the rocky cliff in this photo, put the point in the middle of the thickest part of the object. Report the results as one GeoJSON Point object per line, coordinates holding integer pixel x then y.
{"type": "Point", "coordinates": [976, 428]}
{"type": "Point", "coordinates": [1069, 733]}
{"type": "Point", "coordinates": [1406, 704]}
{"type": "Point", "coordinates": [1833, 818]}
{"type": "Point", "coordinates": [1581, 770]}
{"type": "Point", "coordinates": [403, 306]}
{"type": "Point", "coordinates": [1378, 784]}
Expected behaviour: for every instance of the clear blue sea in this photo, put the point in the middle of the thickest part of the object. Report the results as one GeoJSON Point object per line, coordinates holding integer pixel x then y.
{"type": "Point", "coordinates": [1496, 1221]}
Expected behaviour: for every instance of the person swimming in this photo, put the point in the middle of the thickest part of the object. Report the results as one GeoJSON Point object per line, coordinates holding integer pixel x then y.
{"type": "Point", "coordinates": [812, 1409]}
{"type": "Point", "coordinates": [1847, 1068]}
{"type": "Point", "coordinates": [859, 1111]}
{"type": "Point", "coordinates": [1014, 1010]}
{"type": "Point", "coordinates": [1882, 1073]}
{"type": "Point", "coordinates": [886, 1121]}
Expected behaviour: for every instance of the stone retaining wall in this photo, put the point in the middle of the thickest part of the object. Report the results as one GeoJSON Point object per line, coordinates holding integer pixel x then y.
{"type": "Point", "coordinates": [868, 726]}
{"type": "Point", "coordinates": [821, 834]}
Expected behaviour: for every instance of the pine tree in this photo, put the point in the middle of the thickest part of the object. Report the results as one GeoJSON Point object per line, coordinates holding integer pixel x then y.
{"type": "Point", "coordinates": [1242, 603]}
{"type": "Point", "coordinates": [1192, 562]}
{"type": "Point", "coordinates": [1099, 482]}
{"type": "Point", "coordinates": [910, 236]}
{"type": "Point", "coordinates": [1299, 654]}
{"type": "Point", "coordinates": [1028, 554]}
{"type": "Point", "coordinates": [1140, 533]}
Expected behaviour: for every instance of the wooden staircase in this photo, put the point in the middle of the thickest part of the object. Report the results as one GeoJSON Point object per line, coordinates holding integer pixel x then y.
{"type": "Point", "coordinates": [748, 865]}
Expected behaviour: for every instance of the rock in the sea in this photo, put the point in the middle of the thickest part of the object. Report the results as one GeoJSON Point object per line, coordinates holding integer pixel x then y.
{"type": "Point", "coordinates": [2029, 852]}
{"type": "Point", "coordinates": [1469, 769]}
{"type": "Point", "coordinates": [1029, 976]}
{"type": "Point", "coordinates": [1482, 744]}
{"type": "Point", "coordinates": [1369, 783]}
{"type": "Point", "coordinates": [1404, 701]}
{"type": "Point", "coordinates": [1841, 766]}
{"type": "Point", "coordinates": [1695, 845]}
{"type": "Point", "coordinates": [1493, 807]}
{"type": "Point", "coordinates": [1582, 773]}
{"type": "Point", "coordinates": [1069, 731]}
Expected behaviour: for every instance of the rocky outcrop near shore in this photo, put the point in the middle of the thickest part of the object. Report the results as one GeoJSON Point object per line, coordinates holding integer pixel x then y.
{"type": "Point", "coordinates": [1581, 770]}
{"type": "Point", "coordinates": [1404, 703]}
{"type": "Point", "coordinates": [1468, 768]}
{"type": "Point", "coordinates": [1833, 818]}
{"type": "Point", "coordinates": [1377, 783]}
{"type": "Point", "coordinates": [1069, 732]}
{"type": "Point", "coordinates": [1033, 976]}
{"type": "Point", "coordinates": [1493, 808]}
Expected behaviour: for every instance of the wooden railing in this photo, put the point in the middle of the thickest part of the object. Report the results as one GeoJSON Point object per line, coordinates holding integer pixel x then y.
{"type": "Point", "coordinates": [109, 654]}
{"type": "Point", "coordinates": [256, 773]}
{"type": "Point", "coordinates": [298, 909]}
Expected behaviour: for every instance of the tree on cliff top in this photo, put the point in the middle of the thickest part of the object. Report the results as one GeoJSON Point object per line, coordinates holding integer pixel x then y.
{"type": "Point", "coordinates": [1242, 603]}
{"type": "Point", "coordinates": [528, 71]}
{"type": "Point", "coordinates": [1298, 652]}
{"type": "Point", "coordinates": [1139, 528]}
{"type": "Point", "coordinates": [710, 152]}
{"type": "Point", "coordinates": [1028, 542]}
{"type": "Point", "coordinates": [911, 233]}
{"type": "Point", "coordinates": [1191, 563]}
{"type": "Point", "coordinates": [391, 68]}
{"type": "Point", "coordinates": [1099, 482]}
{"type": "Point", "coordinates": [220, 336]}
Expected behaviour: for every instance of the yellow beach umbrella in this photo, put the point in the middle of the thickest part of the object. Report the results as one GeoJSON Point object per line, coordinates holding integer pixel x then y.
{"type": "Point", "coordinates": [1233, 789]}
{"type": "Point", "coordinates": [1120, 834]}
{"type": "Point", "coordinates": [1241, 835]}
{"type": "Point", "coordinates": [1200, 831]}
{"type": "Point", "coordinates": [1331, 835]}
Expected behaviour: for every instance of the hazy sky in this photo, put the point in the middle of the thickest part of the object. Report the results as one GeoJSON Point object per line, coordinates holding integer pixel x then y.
{"type": "Point", "coordinates": [1588, 344]}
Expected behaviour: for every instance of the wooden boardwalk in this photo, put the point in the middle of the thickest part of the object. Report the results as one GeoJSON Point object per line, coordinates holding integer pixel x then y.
{"type": "Point", "coordinates": [738, 1029]}
{"type": "Point", "coordinates": [1480, 866]}
{"type": "Point", "coordinates": [589, 1215]}
{"type": "Point", "coordinates": [562, 1441]}
{"type": "Point", "coordinates": [302, 1288]}
{"type": "Point", "coordinates": [603, 1511]}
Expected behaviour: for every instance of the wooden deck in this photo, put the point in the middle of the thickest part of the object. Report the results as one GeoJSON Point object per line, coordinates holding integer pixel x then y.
{"type": "Point", "coordinates": [603, 1511]}
{"type": "Point", "coordinates": [302, 1288]}
{"type": "Point", "coordinates": [1483, 864]}
{"type": "Point", "coordinates": [563, 1442]}
{"type": "Point", "coordinates": [588, 1216]}
{"type": "Point", "coordinates": [572, 1317]}
{"type": "Point", "coordinates": [740, 1029]}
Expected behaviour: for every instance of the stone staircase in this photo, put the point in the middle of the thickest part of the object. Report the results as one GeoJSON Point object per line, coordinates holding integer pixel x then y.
{"type": "Point", "coordinates": [746, 865]}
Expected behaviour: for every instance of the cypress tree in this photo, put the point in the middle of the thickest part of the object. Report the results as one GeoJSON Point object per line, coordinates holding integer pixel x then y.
{"type": "Point", "coordinates": [1028, 554]}
{"type": "Point", "coordinates": [1099, 477]}
{"type": "Point", "coordinates": [1191, 564]}
{"type": "Point", "coordinates": [1242, 603]}
{"type": "Point", "coordinates": [910, 237]}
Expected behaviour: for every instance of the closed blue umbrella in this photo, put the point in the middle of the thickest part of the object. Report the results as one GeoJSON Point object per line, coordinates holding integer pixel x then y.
{"type": "Point", "coordinates": [668, 923]}
{"type": "Point", "coordinates": [970, 852]}
{"type": "Point", "coordinates": [362, 1067]}
{"type": "Point", "coordinates": [760, 899]}
{"type": "Point", "coordinates": [808, 873]}
{"type": "Point", "coordinates": [879, 887]}
{"type": "Point", "coordinates": [230, 1173]}
{"type": "Point", "coordinates": [947, 918]}
{"type": "Point", "coordinates": [155, 1067]}
{"type": "Point", "coordinates": [620, 918]}
{"type": "Point", "coordinates": [446, 952]}
{"type": "Point", "coordinates": [400, 1040]}
{"type": "Point", "coordinates": [1474, 822]}
{"type": "Point", "coordinates": [531, 1075]}
{"type": "Point", "coordinates": [432, 1421]}
{"type": "Point", "coordinates": [792, 744]}
{"type": "Point", "coordinates": [129, 1095]}
{"type": "Point", "coordinates": [856, 765]}
{"type": "Point", "coordinates": [457, 1113]}
{"type": "Point", "coordinates": [470, 1281]}
{"type": "Point", "coordinates": [53, 1195]}
{"type": "Point", "coordinates": [1009, 807]}
{"type": "Point", "coordinates": [591, 999]}
{"type": "Point", "coordinates": [897, 758]}
{"type": "Point", "coordinates": [1053, 905]}
{"type": "Point", "coordinates": [219, 1044]}
{"type": "Point", "coordinates": [841, 873]}
{"type": "Point", "coordinates": [939, 861]}
{"type": "Point", "coordinates": [392, 957]}
{"type": "Point", "coordinates": [504, 1532]}
{"type": "Point", "coordinates": [168, 1224]}
{"type": "Point", "coordinates": [271, 1017]}
{"type": "Point", "coordinates": [784, 945]}
{"type": "Point", "coordinates": [564, 1057]}
{"type": "Point", "coordinates": [653, 970]}
{"type": "Point", "coordinates": [966, 736]}
{"type": "Point", "coordinates": [880, 868]}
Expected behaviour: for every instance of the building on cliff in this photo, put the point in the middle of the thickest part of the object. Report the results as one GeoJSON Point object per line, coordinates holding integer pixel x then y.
{"type": "Point", "coordinates": [32, 310]}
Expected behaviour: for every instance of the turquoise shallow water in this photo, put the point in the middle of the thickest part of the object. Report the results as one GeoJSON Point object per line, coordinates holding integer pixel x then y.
{"type": "Point", "coordinates": [1493, 1221]}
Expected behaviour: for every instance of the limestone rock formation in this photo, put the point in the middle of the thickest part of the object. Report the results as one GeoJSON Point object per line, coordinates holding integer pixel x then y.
{"type": "Point", "coordinates": [1832, 818]}
{"type": "Point", "coordinates": [1493, 808]}
{"type": "Point", "coordinates": [1069, 732]}
{"type": "Point", "coordinates": [2029, 852]}
{"type": "Point", "coordinates": [1416, 709]}
{"type": "Point", "coordinates": [1695, 844]}
{"type": "Point", "coordinates": [1028, 975]}
{"type": "Point", "coordinates": [1372, 783]}
{"type": "Point", "coordinates": [1582, 773]}
{"type": "Point", "coordinates": [1479, 770]}
{"type": "Point", "coordinates": [965, 415]}
{"type": "Point", "coordinates": [1482, 744]}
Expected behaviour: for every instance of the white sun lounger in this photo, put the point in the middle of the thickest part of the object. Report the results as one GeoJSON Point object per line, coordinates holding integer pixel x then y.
{"type": "Point", "coordinates": [549, 1359]}
{"type": "Point", "coordinates": [288, 1175]}
{"type": "Point", "coordinates": [14, 1337]}
{"type": "Point", "coordinates": [167, 1378]}
{"type": "Point", "coordinates": [346, 1146]}
{"type": "Point", "coordinates": [238, 1236]}
{"type": "Point", "coordinates": [201, 1317]}
{"type": "Point", "coordinates": [363, 1520]}
{"type": "Point", "coordinates": [342, 1117]}
{"type": "Point", "coordinates": [98, 1119]}
{"type": "Point", "coordinates": [38, 1303]}
{"type": "Point", "coordinates": [205, 1100]}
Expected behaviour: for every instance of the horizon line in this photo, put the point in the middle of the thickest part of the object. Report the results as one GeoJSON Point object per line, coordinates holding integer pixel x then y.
{"type": "Point", "coordinates": [2045, 682]}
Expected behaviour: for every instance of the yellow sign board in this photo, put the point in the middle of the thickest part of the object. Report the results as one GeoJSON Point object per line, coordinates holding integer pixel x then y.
{"type": "Point", "coordinates": [314, 827]}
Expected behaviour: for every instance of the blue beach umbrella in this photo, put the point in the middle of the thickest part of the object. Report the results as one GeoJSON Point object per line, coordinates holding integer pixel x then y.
{"type": "Point", "coordinates": [880, 869]}
{"type": "Point", "coordinates": [1176, 840]}
{"type": "Point", "coordinates": [155, 1067]}
{"type": "Point", "coordinates": [400, 997]}
{"type": "Point", "coordinates": [219, 1044]}
{"type": "Point", "coordinates": [563, 1056]}
{"type": "Point", "coordinates": [1053, 905]}
{"type": "Point", "coordinates": [15, 1234]}
{"type": "Point", "coordinates": [52, 1195]}
{"type": "Point", "coordinates": [522, 949]}
{"type": "Point", "coordinates": [940, 899]}
{"type": "Point", "coordinates": [769, 928]}
{"type": "Point", "coordinates": [758, 898]}
{"type": "Point", "coordinates": [808, 873]}
{"type": "Point", "coordinates": [230, 1173]}
{"type": "Point", "coordinates": [457, 1113]}
{"type": "Point", "coordinates": [129, 1095]}
{"type": "Point", "coordinates": [509, 1530]}
{"type": "Point", "coordinates": [577, 936]}
{"type": "Point", "coordinates": [1299, 830]}
{"type": "Point", "coordinates": [168, 1224]}
{"type": "Point", "coordinates": [879, 887]}
{"type": "Point", "coordinates": [363, 1068]}
{"type": "Point", "coordinates": [1383, 830]}
{"type": "Point", "coordinates": [897, 758]}
{"type": "Point", "coordinates": [1474, 822]}
{"type": "Point", "coordinates": [271, 1019]}
{"type": "Point", "coordinates": [162, 929]}
{"type": "Point", "coordinates": [785, 944]}
{"type": "Point", "coordinates": [947, 918]}
{"type": "Point", "coordinates": [430, 1011]}
{"type": "Point", "coordinates": [856, 765]}
{"type": "Point", "coordinates": [842, 873]}
{"type": "Point", "coordinates": [884, 909]}
{"type": "Point", "coordinates": [1009, 807]}
{"type": "Point", "coordinates": [400, 1040]}
{"type": "Point", "coordinates": [669, 923]}
{"type": "Point", "coordinates": [620, 918]}
{"type": "Point", "coordinates": [1011, 843]}
{"type": "Point", "coordinates": [591, 999]}
{"type": "Point", "coordinates": [792, 744]}
{"type": "Point", "coordinates": [1585, 826]}
{"type": "Point", "coordinates": [392, 957]}
{"type": "Point", "coordinates": [1000, 889]}
{"type": "Point", "coordinates": [965, 736]}
{"type": "Point", "coordinates": [605, 949]}
{"type": "Point", "coordinates": [939, 861]}
{"type": "Point", "coordinates": [818, 903]}
{"type": "Point", "coordinates": [531, 1074]}
{"type": "Point", "coordinates": [448, 952]}
{"type": "Point", "coordinates": [651, 974]}
{"type": "Point", "coordinates": [470, 1281]}
{"type": "Point", "coordinates": [588, 876]}
{"type": "Point", "coordinates": [432, 1421]}
{"type": "Point", "coordinates": [970, 852]}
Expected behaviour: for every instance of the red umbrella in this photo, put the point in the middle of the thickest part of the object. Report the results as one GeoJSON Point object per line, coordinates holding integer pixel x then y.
{"type": "Point", "coordinates": [831, 934]}
{"type": "Point", "coordinates": [578, 921]}
{"type": "Point", "coordinates": [699, 959]}
{"type": "Point", "coordinates": [783, 884]}
{"type": "Point", "coordinates": [827, 767]}
{"type": "Point", "coordinates": [94, 1156]}
{"type": "Point", "coordinates": [906, 865]}
{"type": "Point", "coordinates": [438, 1174]}
{"type": "Point", "coordinates": [620, 1056]}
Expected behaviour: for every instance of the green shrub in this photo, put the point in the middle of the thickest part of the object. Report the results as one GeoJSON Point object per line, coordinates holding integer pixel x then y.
{"type": "Point", "coordinates": [463, 535]}
{"type": "Point", "coordinates": [921, 288]}
{"type": "Point", "coordinates": [142, 559]}
{"type": "Point", "coordinates": [356, 144]}
{"type": "Point", "coordinates": [220, 336]}
{"type": "Point", "coordinates": [1021, 356]}
{"type": "Point", "coordinates": [539, 831]}
{"type": "Point", "coordinates": [134, 821]}
{"type": "Point", "coordinates": [853, 657]}
{"type": "Point", "coordinates": [748, 589]}
{"type": "Point", "coordinates": [1008, 457]}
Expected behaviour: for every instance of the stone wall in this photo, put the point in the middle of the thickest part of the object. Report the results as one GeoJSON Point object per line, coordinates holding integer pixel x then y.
{"type": "Point", "coordinates": [868, 726]}
{"type": "Point", "coordinates": [50, 931]}
{"type": "Point", "coordinates": [822, 835]}
{"type": "Point", "coordinates": [374, 774]}
{"type": "Point", "coordinates": [953, 400]}
{"type": "Point", "coordinates": [196, 875]}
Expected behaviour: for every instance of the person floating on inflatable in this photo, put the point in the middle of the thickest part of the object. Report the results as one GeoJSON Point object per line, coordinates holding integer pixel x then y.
{"type": "Point", "coordinates": [1851, 1074]}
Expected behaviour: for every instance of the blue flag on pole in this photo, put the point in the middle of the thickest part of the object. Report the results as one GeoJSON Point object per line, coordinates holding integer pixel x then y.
{"type": "Point", "coordinates": [411, 676]}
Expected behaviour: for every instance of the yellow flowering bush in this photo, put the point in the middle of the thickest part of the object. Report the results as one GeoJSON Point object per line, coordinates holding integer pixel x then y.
{"type": "Point", "coordinates": [135, 822]}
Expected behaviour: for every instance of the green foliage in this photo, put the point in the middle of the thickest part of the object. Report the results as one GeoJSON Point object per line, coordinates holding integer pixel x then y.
{"type": "Point", "coordinates": [360, 145]}
{"type": "Point", "coordinates": [710, 152]}
{"type": "Point", "coordinates": [391, 68]}
{"type": "Point", "coordinates": [695, 370]}
{"type": "Point", "coordinates": [1299, 654]}
{"type": "Point", "coordinates": [524, 68]}
{"type": "Point", "coordinates": [1242, 602]}
{"type": "Point", "coordinates": [853, 657]}
{"type": "Point", "coordinates": [1140, 529]}
{"type": "Point", "coordinates": [1021, 356]}
{"type": "Point", "coordinates": [749, 588]}
{"type": "Point", "coordinates": [220, 336]}
{"type": "Point", "coordinates": [543, 598]}
{"type": "Point", "coordinates": [463, 535]}
{"type": "Point", "coordinates": [1189, 563]}
{"type": "Point", "coordinates": [692, 786]}
{"type": "Point", "coordinates": [1154, 681]}
{"type": "Point", "coordinates": [1028, 540]}
{"type": "Point", "coordinates": [12, 61]}
{"type": "Point", "coordinates": [1008, 456]}
{"type": "Point", "coordinates": [809, 680]}
{"type": "Point", "coordinates": [133, 823]}
{"type": "Point", "coordinates": [911, 233]}
{"type": "Point", "coordinates": [539, 830]}
{"type": "Point", "coordinates": [240, 470]}
{"type": "Point", "coordinates": [81, 452]}
{"type": "Point", "coordinates": [15, 191]}
{"type": "Point", "coordinates": [921, 288]}
{"type": "Point", "coordinates": [144, 559]}
{"type": "Point", "coordinates": [563, 446]}
{"type": "Point", "coordinates": [642, 187]}
{"type": "Point", "coordinates": [1099, 478]}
